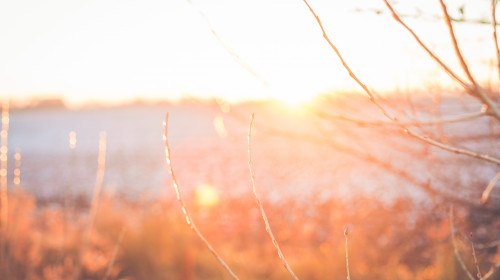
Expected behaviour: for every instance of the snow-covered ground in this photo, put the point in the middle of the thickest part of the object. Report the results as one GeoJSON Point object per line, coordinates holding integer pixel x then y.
{"type": "Point", "coordinates": [296, 154]}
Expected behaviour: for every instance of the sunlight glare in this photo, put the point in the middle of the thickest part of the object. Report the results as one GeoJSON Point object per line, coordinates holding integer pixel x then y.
{"type": "Point", "coordinates": [206, 195]}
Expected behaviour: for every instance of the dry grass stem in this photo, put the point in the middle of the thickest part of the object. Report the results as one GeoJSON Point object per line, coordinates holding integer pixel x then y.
{"type": "Point", "coordinates": [346, 233]}
{"type": "Point", "coordinates": [185, 210]}
{"type": "Point", "coordinates": [489, 188]}
{"type": "Point", "coordinates": [115, 253]}
{"type": "Point", "coordinates": [259, 203]}
{"type": "Point", "coordinates": [4, 202]}
{"type": "Point", "coordinates": [455, 246]}
{"type": "Point", "coordinates": [94, 206]}
{"type": "Point", "coordinates": [495, 39]}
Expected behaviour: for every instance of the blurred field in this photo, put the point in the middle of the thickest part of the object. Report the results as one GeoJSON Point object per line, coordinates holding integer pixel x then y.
{"type": "Point", "coordinates": [316, 175]}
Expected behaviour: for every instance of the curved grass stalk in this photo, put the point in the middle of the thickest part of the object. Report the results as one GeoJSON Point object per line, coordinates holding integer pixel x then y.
{"type": "Point", "coordinates": [184, 208]}
{"type": "Point", "coordinates": [259, 203]}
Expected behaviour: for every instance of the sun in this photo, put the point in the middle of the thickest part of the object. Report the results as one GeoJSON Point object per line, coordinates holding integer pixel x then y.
{"type": "Point", "coordinates": [294, 100]}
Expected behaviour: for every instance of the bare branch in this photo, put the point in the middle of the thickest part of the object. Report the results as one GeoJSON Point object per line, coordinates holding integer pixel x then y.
{"type": "Point", "coordinates": [455, 247]}
{"type": "Point", "coordinates": [185, 210]}
{"type": "Point", "coordinates": [259, 203]}
{"type": "Point", "coordinates": [489, 109]}
{"type": "Point", "coordinates": [429, 52]}
{"type": "Point", "coordinates": [495, 39]}
{"type": "Point", "coordinates": [455, 44]}
{"type": "Point", "coordinates": [474, 90]}
{"type": "Point", "coordinates": [489, 188]}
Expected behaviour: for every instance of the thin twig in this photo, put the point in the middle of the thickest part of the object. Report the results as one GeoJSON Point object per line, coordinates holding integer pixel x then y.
{"type": "Point", "coordinates": [430, 17]}
{"type": "Point", "coordinates": [475, 259]}
{"type": "Point", "coordinates": [445, 67]}
{"type": "Point", "coordinates": [476, 88]}
{"type": "Point", "coordinates": [495, 39]}
{"type": "Point", "coordinates": [488, 245]}
{"type": "Point", "coordinates": [259, 203]}
{"type": "Point", "coordinates": [492, 271]}
{"type": "Point", "coordinates": [455, 247]}
{"type": "Point", "coordinates": [455, 149]}
{"type": "Point", "coordinates": [458, 53]}
{"type": "Point", "coordinates": [489, 188]}
{"type": "Point", "coordinates": [185, 210]}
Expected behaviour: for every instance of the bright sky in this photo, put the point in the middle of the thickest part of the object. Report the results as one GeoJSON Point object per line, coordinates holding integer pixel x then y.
{"type": "Point", "coordinates": [123, 49]}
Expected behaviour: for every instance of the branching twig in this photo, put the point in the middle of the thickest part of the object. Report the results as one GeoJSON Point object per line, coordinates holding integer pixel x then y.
{"type": "Point", "coordinates": [458, 53]}
{"type": "Point", "coordinates": [185, 210]}
{"type": "Point", "coordinates": [489, 109]}
{"type": "Point", "coordinates": [455, 247]}
{"type": "Point", "coordinates": [429, 52]}
{"type": "Point", "coordinates": [259, 203]}
{"type": "Point", "coordinates": [476, 88]}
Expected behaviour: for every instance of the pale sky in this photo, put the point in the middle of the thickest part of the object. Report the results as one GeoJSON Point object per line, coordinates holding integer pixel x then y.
{"type": "Point", "coordinates": [123, 49]}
